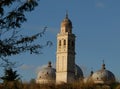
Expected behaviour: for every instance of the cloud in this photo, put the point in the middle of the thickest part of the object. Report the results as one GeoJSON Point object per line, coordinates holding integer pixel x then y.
{"type": "Point", "coordinates": [40, 68]}
{"type": "Point", "coordinates": [43, 66]}
{"type": "Point", "coordinates": [26, 67]}
{"type": "Point", "coordinates": [100, 5]}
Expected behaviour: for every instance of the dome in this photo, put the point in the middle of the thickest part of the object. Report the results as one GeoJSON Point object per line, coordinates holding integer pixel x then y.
{"type": "Point", "coordinates": [103, 76]}
{"type": "Point", "coordinates": [66, 22]}
{"type": "Point", "coordinates": [78, 73]}
{"type": "Point", "coordinates": [46, 75]}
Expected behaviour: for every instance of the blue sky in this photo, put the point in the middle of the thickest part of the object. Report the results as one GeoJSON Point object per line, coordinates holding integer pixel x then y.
{"type": "Point", "coordinates": [96, 24]}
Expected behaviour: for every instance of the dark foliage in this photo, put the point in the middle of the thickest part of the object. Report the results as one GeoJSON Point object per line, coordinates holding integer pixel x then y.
{"type": "Point", "coordinates": [12, 16]}
{"type": "Point", "coordinates": [19, 85]}
{"type": "Point", "coordinates": [10, 75]}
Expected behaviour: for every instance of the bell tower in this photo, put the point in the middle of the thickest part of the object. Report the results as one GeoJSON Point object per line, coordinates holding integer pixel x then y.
{"type": "Point", "coordinates": [65, 55]}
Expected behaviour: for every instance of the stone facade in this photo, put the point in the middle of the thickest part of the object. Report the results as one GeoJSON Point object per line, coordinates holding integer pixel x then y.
{"type": "Point", "coordinates": [65, 55]}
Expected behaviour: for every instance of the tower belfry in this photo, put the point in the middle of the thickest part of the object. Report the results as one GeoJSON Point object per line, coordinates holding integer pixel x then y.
{"type": "Point", "coordinates": [65, 55]}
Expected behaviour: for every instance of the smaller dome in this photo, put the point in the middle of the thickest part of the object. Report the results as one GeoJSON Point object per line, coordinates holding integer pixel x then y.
{"type": "Point", "coordinates": [66, 22]}
{"type": "Point", "coordinates": [46, 74]}
{"type": "Point", "coordinates": [78, 73]}
{"type": "Point", "coordinates": [103, 76]}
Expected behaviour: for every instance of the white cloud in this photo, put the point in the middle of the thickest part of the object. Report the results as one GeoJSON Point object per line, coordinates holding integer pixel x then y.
{"type": "Point", "coordinates": [39, 68]}
{"type": "Point", "coordinates": [26, 67]}
{"type": "Point", "coordinates": [100, 5]}
{"type": "Point", "coordinates": [43, 66]}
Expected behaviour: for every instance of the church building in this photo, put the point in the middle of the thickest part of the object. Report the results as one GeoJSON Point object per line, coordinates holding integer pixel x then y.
{"type": "Point", "coordinates": [66, 69]}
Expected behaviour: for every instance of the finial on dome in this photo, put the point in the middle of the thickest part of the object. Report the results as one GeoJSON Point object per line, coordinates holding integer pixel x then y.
{"type": "Point", "coordinates": [66, 15]}
{"type": "Point", "coordinates": [91, 72]}
{"type": "Point", "coordinates": [103, 65]}
{"type": "Point", "coordinates": [49, 64]}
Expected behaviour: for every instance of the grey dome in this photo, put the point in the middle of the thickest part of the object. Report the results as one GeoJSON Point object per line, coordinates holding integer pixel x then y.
{"type": "Point", "coordinates": [46, 74]}
{"type": "Point", "coordinates": [78, 72]}
{"type": "Point", "coordinates": [103, 76]}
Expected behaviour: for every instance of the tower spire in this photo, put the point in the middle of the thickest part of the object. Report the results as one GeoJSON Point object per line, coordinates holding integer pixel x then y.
{"type": "Point", "coordinates": [103, 65]}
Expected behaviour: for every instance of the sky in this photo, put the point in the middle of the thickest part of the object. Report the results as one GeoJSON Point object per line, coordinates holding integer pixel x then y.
{"type": "Point", "coordinates": [96, 24]}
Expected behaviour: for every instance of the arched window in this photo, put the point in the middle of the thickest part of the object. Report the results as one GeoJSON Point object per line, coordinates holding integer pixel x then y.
{"type": "Point", "coordinates": [59, 42]}
{"type": "Point", "coordinates": [64, 42]}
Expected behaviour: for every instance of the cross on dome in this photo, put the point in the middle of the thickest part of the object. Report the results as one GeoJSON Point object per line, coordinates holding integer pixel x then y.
{"type": "Point", "coordinates": [103, 65]}
{"type": "Point", "coordinates": [49, 64]}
